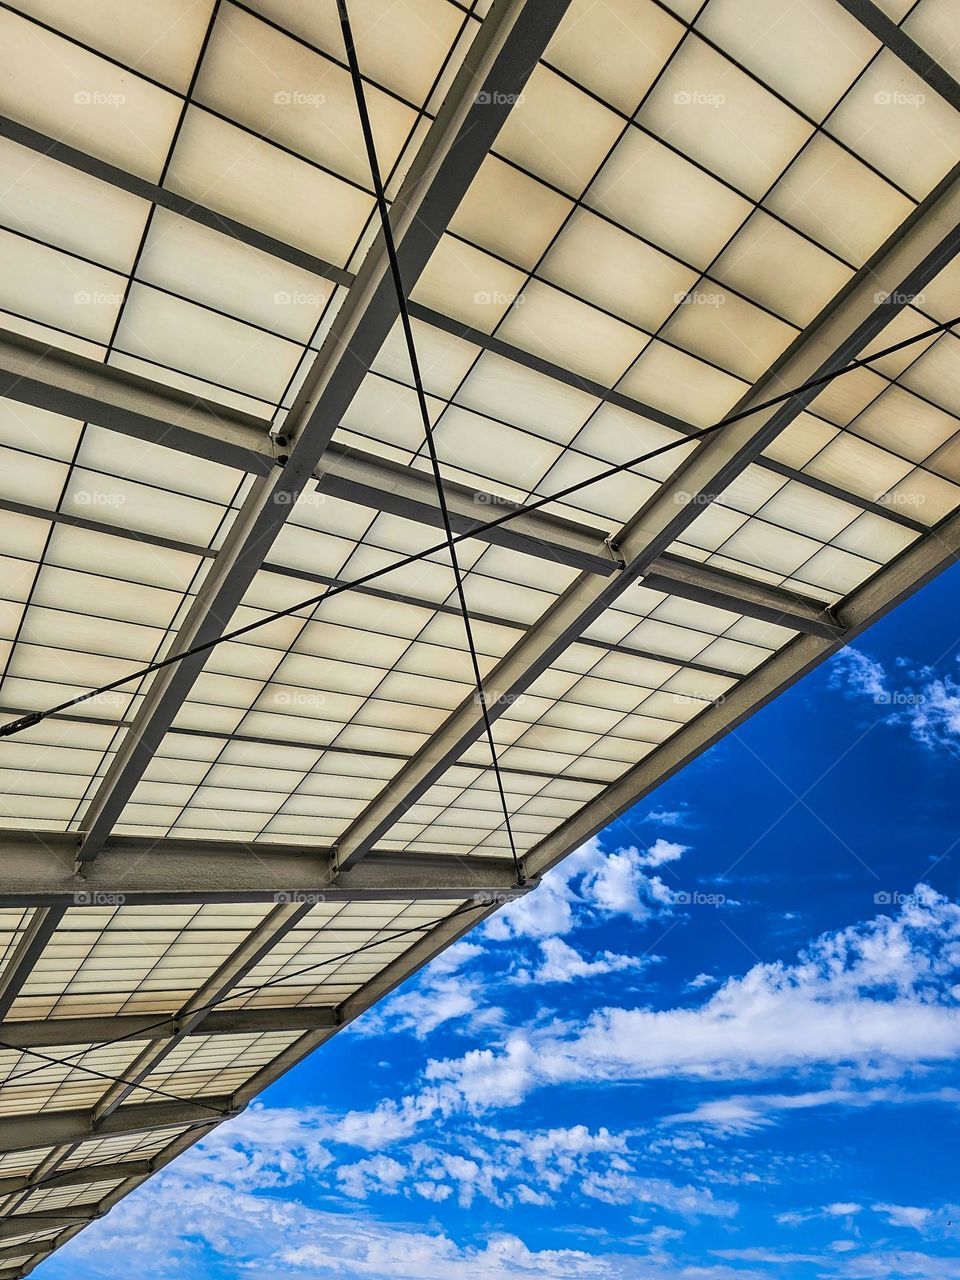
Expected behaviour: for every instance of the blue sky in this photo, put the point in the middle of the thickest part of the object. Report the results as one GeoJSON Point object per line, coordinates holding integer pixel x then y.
{"type": "Point", "coordinates": [608, 1080]}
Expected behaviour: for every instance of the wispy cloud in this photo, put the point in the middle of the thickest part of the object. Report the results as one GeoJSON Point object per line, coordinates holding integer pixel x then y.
{"type": "Point", "coordinates": [923, 701]}
{"type": "Point", "coordinates": [560, 962]}
{"type": "Point", "coordinates": [882, 994]}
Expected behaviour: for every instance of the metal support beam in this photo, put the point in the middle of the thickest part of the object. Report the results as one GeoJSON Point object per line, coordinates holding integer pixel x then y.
{"type": "Point", "coordinates": [610, 395]}
{"type": "Point", "coordinates": [360, 477]}
{"type": "Point", "coordinates": [45, 1220]}
{"type": "Point", "coordinates": [905, 48]}
{"type": "Point", "coordinates": [47, 377]}
{"type": "Point", "coordinates": [539, 364]}
{"type": "Point", "coordinates": [119, 1170]}
{"type": "Point", "coordinates": [495, 69]}
{"type": "Point", "coordinates": [888, 587]}
{"type": "Point", "coordinates": [52, 1033]}
{"type": "Point", "coordinates": [38, 870]}
{"type": "Point", "coordinates": [36, 1252]}
{"type": "Point", "coordinates": [725, 590]}
{"type": "Point", "coordinates": [123, 180]}
{"type": "Point", "coordinates": [671, 574]}
{"type": "Point", "coordinates": [41, 925]}
{"type": "Point", "coordinates": [356, 476]}
{"type": "Point", "coordinates": [399, 970]}
{"type": "Point", "coordinates": [37, 374]}
{"type": "Point", "coordinates": [250, 952]}
{"type": "Point", "coordinates": [927, 242]}
{"type": "Point", "coordinates": [57, 1128]}
{"type": "Point", "coordinates": [883, 509]}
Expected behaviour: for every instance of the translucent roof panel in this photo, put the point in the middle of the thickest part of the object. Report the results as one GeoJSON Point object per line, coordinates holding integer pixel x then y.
{"type": "Point", "coordinates": [209, 423]}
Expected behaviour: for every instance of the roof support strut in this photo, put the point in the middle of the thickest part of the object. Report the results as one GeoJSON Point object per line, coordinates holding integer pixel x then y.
{"type": "Point", "coordinates": [39, 871]}
{"type": "Point", "coordinates": [495, 69]}
{"type": "Point", "coordinates": [928, 240]}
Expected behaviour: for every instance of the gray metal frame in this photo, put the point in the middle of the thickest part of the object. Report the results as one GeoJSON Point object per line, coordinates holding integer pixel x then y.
{"type": "Point", "coordinates": [495, 69]}
{"type": "Point", "coordinates": [42, 875]}
{"type": "Point", "coordinates": [906, 49]}
{"type": "Point", "coordinates": [61, 1128]}
{"type": "Point", "coordinates": [883, 592]}
{"type": "Point", "coordinates": [38, 871]}
{"type": "Point", "coordinates": [56, 1032]}
{"type": "Point", "coordinates": [927, 242]}
{"type": "Point", "coordinates": [353, 475]}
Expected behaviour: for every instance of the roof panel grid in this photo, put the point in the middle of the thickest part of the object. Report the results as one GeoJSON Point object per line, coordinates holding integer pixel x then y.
{"type": "Point", "coordinates": [699, 223]}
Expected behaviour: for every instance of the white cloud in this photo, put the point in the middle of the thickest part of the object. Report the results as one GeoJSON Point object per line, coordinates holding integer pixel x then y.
{"type": "Point", "coordinates": [550, 909]}
{"type": "Point", "coordinates": [442, 995]}
{"type": "Point", "coordinates": [268, 1148]}
{"type": "Point", "coordinates": [428, 1006]}
{"type": "Point", "coordinates": [773, 1256]}
{"type": "Point", "coordinates": [881, 994]}
{"type": "Point", "coordinates": [454, 958]}
{"type": "Point", "coordinates": [898, 1265]}
{"type": "Point", "coordinates": [390, 1121]}
{"type": "Point", "coordinates": [587, 883]}
{"type": "Point", "coordinates": [902, 1215]}
{"type": "Point", "coordinates": [263, 1147]}
{"type": "Point", "coordinates": [563, 963]}
{"type": "Point", "coordinates": [745, 1112]}
{"type": "Point", "coordinates": [666, 817]}
{"type": "Point", "coordinates": [662, 851]}
{"type": "Point", "coordinates": [703, 980]}
{"type": "Point", "coordinates": [175, 1225]}
{"type": "Point", "coordinates": [378, 1173]}
{"type": "Point", "coordinates": [620, 886]}
{"type": "Point", "coordinates": [933, 714]}
{"type": "Point", "coordinates": [855, 673]}
{"type": "Point", "coordinates": [204, 1205]}
{"type": "Point", "coordinates": [929, 707]}
{"type": "Point", "coordinates": [427, 1257]}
